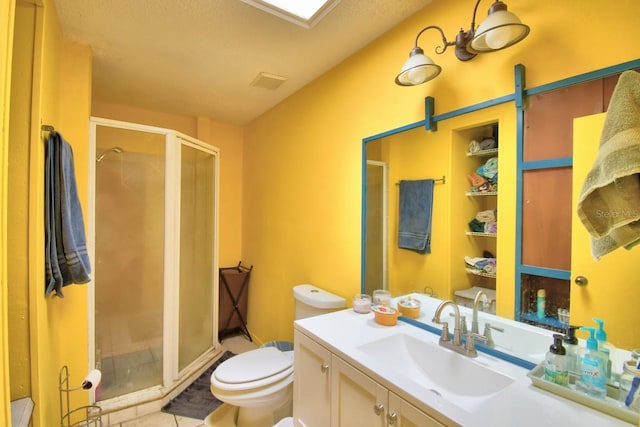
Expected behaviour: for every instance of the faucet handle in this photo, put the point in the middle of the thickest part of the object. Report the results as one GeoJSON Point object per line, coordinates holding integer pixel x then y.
{"type": "Point", "coordinates": [470, 346]}
{"type": "Point", "coordinates": [445, 336]}
{"type": "Point", "coordinates": [487, 334]}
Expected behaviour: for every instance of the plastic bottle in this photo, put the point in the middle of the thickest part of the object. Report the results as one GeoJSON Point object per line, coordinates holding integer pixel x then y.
{"type": "Point", "coordinates": [593, 369]}
{"type": "Point", "coordinates": [571, 345]}
{"type": "Point", "coordinates": [541, 304]}
{"type": "Point", "coordinates": [604, 346]}
{"type": "Point", "coordinates": [555, 363]}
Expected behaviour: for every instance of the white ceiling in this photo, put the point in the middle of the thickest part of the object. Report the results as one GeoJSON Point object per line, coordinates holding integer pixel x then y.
{"type": "Point", "coordinates": [199, 57]}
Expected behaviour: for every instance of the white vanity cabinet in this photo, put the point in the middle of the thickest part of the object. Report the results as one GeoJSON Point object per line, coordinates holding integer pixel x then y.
{"type": "Point", "coordinates": [356, 399]}
{"type": "Point", "coordinates": [312, 383]}
{"type": "Point", "coordinates": [329, 392]}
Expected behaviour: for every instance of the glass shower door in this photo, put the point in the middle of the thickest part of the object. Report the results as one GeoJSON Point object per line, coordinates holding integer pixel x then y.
{"type": "Point", "coordinates": [129, 259]}
{"type": "Point", "coordinates": [197, 234]}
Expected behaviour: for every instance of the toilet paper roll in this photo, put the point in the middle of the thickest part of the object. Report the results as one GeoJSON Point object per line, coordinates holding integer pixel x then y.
{"type": "Point", "coordinates": [92, 379]}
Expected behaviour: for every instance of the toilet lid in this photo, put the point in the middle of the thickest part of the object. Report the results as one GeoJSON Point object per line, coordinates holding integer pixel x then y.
{"type": "Point", "coordinates": [253, 365]}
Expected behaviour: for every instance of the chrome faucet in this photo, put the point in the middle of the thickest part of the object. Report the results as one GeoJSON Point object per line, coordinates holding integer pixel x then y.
{"type": "Point", "coordinates": [457, 336]}
{"type": "Point", "coordinates": [455, 344]}
{"type": "Point", "coordinates": [476, 302]}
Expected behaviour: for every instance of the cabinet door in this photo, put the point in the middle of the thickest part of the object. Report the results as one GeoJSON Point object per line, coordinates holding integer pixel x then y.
{"type": "Point", "coordinates": [356, 400]}
{"type": "Point", "coordinates": [312, 384]}
{"type": "Point", "coordinates": [403, 414]}
{"type": "Point", "coordinates": [612, 290]}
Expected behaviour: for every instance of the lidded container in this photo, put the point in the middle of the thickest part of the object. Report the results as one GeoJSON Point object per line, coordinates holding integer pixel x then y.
{"type": "Point", "coordinates": [409, 307]}
{"type": "Point", "coordinates": [313, 301]}
{"type": "Point", "coordinates": [383, 315]}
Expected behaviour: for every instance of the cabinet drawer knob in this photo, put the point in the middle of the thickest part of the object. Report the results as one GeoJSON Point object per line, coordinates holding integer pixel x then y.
{"type": "Point", "coordinates": [392, 418]}
{"type": "Point", "coordinates": [378, 409]}
{"type": "Point", "coordinates": [324, 368]}
{"type": "Point", "coordinates": [581, 281]}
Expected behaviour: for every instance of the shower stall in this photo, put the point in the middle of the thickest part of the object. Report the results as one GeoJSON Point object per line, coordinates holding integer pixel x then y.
{"type": "Point", "coordinates": [154, 242]}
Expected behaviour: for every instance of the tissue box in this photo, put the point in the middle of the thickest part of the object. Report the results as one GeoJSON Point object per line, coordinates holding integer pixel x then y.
{"type": "Point", "coordinates": [465, 297]}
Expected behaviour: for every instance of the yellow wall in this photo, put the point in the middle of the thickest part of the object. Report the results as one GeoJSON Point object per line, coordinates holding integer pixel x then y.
{"type": "Point", "coordinates": [7, 11]}
{"type": "Point", "coordinates": [302, 170]}
{"type": "Point", "coordinates": [294, 174]}
{"type": "Point", "coordinates": [54, 82]}
{"type": "Point", "coordinates": [18, 215]}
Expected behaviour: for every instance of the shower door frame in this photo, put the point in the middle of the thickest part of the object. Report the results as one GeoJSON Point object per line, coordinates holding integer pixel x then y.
{"type": "Point", "coordinates": [384, 220]}
{"type": "Point", "coordinates": [171, 297]}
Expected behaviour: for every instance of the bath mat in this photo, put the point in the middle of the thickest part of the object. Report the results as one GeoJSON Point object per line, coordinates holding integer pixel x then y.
{"type": "Point", "coordinates": [196, 401]}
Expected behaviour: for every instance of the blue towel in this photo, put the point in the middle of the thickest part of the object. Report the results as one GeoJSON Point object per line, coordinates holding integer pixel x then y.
{"type": "Point", "coordinates": [416, 204]}
{"type": "Point", "coordinates": [66, 257]}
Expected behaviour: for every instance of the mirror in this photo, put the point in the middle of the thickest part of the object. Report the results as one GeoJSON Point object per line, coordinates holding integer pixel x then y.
{"type": "Point", "coordinates": [398, 157]}
{"type": "Point", "coordinates": [413, 154]}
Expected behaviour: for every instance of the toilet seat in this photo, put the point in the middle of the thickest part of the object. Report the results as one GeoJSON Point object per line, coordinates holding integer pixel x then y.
{"type": "Point", "coordinates": [253, 369]}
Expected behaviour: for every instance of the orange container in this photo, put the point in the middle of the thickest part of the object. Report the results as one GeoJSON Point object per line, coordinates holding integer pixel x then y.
{"type": "Point", "coordinates": [385, 316]}
{"type": "Point", "coordinates": [409, 307]}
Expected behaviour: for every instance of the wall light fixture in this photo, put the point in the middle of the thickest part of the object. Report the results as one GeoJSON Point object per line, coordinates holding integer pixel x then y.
{"type": "Point", "coordinates": [499, 30]}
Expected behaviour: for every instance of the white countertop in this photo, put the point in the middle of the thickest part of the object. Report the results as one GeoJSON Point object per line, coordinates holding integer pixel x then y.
{"type": "Point", "coordinates": [519, 404]}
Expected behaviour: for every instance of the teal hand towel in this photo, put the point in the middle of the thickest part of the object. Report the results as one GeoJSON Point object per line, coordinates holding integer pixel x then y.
{"type": "Point", "coordinates": [609, 203]}
{"type": "Point", "coordinates": [415, 212]}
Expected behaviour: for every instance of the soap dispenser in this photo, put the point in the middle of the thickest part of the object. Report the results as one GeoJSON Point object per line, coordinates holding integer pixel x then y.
{"type": "Point", "coordinates": [571, 345]}
{"type": "Point", "coordinates": [604, 346]}
{"type": "Point", "coordinates": [593, 369]}
{"type": "Point", "coordinates": [555, 363]}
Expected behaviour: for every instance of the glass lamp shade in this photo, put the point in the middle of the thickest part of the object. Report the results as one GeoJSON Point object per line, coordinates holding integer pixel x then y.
{"type": "Point", "coordinates": [418, 69]}
{"type": "Point", "coordinates": [499, 30]}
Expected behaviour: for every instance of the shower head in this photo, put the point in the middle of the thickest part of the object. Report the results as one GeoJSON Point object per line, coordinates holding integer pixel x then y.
{"type": "Point", "coordinates": [114, 149]}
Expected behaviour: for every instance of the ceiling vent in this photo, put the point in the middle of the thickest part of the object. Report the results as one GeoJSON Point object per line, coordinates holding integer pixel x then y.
{"type": "Point", "coordinates": [268, 81]}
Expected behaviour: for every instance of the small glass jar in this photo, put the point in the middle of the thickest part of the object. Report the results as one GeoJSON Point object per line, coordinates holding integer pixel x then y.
{"type": "Point", "coordinates": [381, 297]}
{"type": "Point", "coordinates": [629, 372]}
{"type": "Point", "coordinates": [361, 303]}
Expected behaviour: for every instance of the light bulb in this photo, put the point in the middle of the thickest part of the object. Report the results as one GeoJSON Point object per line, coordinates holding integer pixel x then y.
{"type": "Point", "coordinates": [417, 75]}
{"type": "Point", "coordinates": [499, 37]}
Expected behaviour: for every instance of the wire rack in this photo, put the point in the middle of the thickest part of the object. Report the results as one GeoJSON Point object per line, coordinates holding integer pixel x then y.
{"type": "Point", "coordinates": [84, 416]}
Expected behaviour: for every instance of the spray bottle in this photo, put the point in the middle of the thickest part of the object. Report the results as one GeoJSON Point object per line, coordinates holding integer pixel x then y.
{"type": "Point", "coordinates": [593, 369]}
{"type": "Point", "coordinates": [604, 346]}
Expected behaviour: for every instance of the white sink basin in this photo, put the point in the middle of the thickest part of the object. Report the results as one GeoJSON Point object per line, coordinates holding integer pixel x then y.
{"type": "Point", "coordinates": [513, 338]}
{"type": "Point", "coordinates": [462, 381]}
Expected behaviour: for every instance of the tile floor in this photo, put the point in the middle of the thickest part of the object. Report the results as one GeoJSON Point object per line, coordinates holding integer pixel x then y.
{"type": "Point", "coordinates": [236, 344]}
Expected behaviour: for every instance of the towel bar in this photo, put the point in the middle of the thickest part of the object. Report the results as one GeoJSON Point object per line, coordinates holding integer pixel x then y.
{"type": "Point", "coordinates": [442, 180]}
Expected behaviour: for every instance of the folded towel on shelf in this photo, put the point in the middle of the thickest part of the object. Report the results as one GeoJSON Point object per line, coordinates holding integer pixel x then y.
{"type": "Point", "coordinates": [491, 227]}
{"type": "Point", "coordinates": [609, 203]}
{"type": "Point", "coordinates": [486, 216]}
{"type": "Point", "coordinates": [66, 257]}
{"type": "Point", "coordinates": [415, 211]}
{"type": "Point", "coordinates": [476, 226]}
{"type": "Point", "coordinates": [481, 264]}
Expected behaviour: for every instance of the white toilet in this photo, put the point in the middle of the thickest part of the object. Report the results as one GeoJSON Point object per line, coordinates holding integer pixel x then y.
{"type": "Point", "coordinates": [260, 382]}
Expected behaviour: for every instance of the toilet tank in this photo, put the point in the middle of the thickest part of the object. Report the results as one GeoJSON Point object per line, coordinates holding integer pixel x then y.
{"type": "Point", "coordinates": [313, 301]}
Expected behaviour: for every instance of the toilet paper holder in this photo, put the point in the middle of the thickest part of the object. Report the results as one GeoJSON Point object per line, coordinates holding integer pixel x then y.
{"type": "Point", "coordinates": [83, 416]}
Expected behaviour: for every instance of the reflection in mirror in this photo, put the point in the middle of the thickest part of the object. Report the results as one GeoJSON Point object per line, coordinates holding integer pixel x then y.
{"type": "Point", "coordinates": [376, 231]}
{"type": "Point", "coordinates": [412, 154]}
{"type": "Point", "coordinates": [417, 154]}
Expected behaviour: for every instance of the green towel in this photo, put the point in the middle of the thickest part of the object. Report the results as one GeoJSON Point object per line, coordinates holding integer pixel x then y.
{"type": "Point", "coordinates": [609, 203]}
